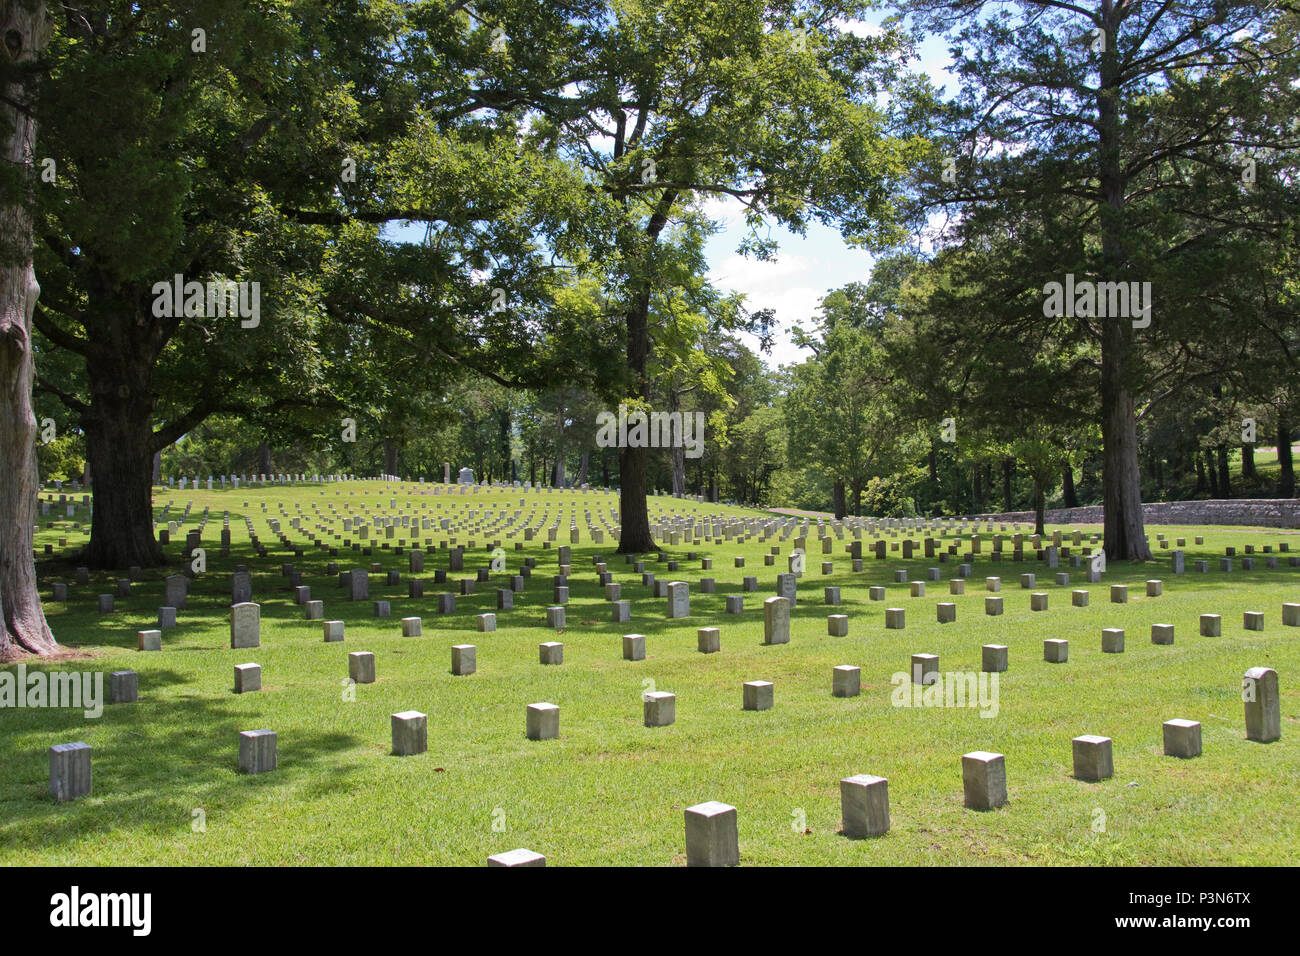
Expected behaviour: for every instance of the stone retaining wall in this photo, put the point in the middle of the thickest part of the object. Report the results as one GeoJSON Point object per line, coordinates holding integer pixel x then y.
{"type": "Point", "coordinates": [1261, 512]}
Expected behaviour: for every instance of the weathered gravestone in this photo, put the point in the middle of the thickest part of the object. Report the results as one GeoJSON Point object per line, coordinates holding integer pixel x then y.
{"type": "Point", "coordinates": [245, 625]}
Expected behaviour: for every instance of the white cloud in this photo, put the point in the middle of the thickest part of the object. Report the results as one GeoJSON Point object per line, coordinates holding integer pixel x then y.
{"type": "Point", "coordinates": [859, 28]}
{"type": "Point", "coordinates": [748, 274]}
{"type": "Point", "coordinates": [727, 211]}
{"type": "Point", "coordinates": [788, 285]}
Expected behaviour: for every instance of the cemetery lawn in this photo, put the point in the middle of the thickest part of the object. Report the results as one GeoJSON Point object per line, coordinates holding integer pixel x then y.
{"type": "Point", "coordinates": [611, 791]}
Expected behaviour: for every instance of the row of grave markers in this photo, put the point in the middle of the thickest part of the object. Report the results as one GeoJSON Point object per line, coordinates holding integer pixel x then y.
{"type": "Point", "coordinates": [710, 827]}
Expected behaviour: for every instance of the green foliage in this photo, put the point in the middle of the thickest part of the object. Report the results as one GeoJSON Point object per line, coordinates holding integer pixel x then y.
{"type": "Point", "coordinates": [888, 496]}
{"type": "Point", "coordinates": [754, 452]}
{"type": "Point", "coordinates": [841, 414]}
{"type": "Point", "coordinates": [62, 459]}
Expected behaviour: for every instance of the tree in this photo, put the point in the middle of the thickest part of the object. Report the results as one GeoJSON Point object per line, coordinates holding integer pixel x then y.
{"type": "Point", "coordinates": [1139, 112]}
{"type": "Point", "coordinates": [25, 30]}
{"type": "Point", "coordinates": [755, 450]}
{"type": "Point", "coordinates": [217, 107]}
{"type": "Point", "coordinates": [743, 462]}
{"type": "Point", "coordinates": [840, 415]}
{"type": "Point", "coordinates": [770, 104]}
{"type": "Point", "coordinates": [272, 143]}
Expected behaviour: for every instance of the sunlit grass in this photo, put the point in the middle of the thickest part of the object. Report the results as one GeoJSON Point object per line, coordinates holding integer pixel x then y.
{"type": "Point", "coordinates": [611, 791]}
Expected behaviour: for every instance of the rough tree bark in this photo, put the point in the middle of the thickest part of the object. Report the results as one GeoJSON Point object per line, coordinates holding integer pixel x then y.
{"type": "Point", "coordinates": [841, 508]}
{"type": "Point", "coordinates": [120, 443]}
{"type": "Point", "coordinates": [25, 30]}
{"type": "Point", "coordinates": [390, 456]}
{"type": "Point", "coordinates": [1248, 461]}
{"type": "Point", "coordinates": [633, 510]}
{"type": "Point", "coordinates": [1123, 527]}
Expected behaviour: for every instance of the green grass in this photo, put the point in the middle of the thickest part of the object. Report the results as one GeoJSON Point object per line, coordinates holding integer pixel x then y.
{"type": "Point", "coordinates": [1266, 464]}
{"type": "Point", "coordinates": [611, 791]}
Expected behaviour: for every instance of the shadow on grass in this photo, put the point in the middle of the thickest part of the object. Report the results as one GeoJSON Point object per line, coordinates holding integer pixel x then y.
{"type": "Point", "coordinates": [154, 764]}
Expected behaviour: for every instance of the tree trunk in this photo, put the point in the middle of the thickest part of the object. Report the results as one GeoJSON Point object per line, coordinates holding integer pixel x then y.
{"type": "Point", "coordinates": [1248, 461]}
{"type": "Point", "coordinates": [1212, 474]}
{"type": "Point", "coordinates": [1123, 527]}
{"type": "Point", "coordinates": [855, 497]}
{"type": "Point", "coordinates": [1124, 530]}
{"type": "Point", "coordinates": [26, 31]}
{"type": "Point", "coordinates": [390, 456]}
{"type": "Point", "coordinates": [264, 458]}
{"type": "Point", "coordinates": [1040, 501]}
{"type": "Point", "coordinates": [583, 465]}
{"type": "Point", "coordinates": [1286, 475]}
{"type": "Point", "coordinates": [633, 509]}
{"type": "Point", "coordinates": [1225, 480]}
{"type": "Point", "coordinates": [557, 475]}
{"type": "Point", "coordinates": [634, 516]}
{"type": "Point", "coordinates": [119, 441]}
{"type": "Point", "coordinates": [838, 495]}
{"type": "Point", "coordinates": [157, 467]}
{"type": "Point", "coordinates": [977, 491]}
{"type": "Point", "coordinates": [933, 463]}
{"type": "Point", "coordinates": [1070, 496]}
{"type": "Point", "coordinates": [1008, 465]}
{"type": "Point", "coordinates": [1200, 472]}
